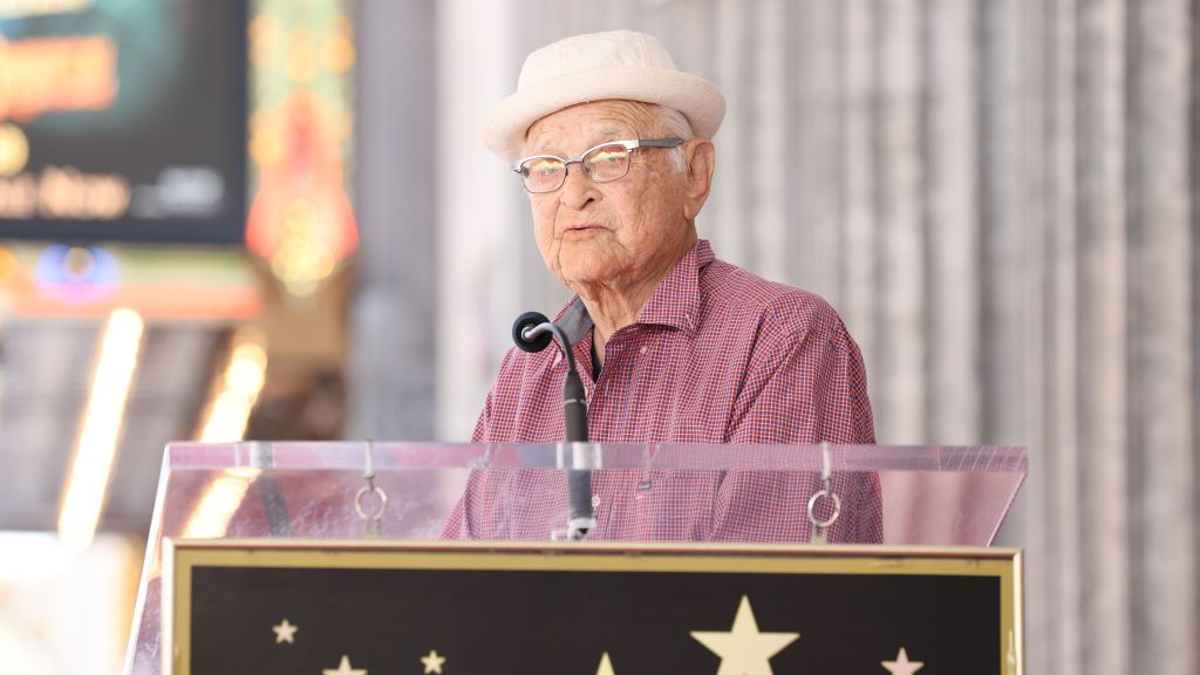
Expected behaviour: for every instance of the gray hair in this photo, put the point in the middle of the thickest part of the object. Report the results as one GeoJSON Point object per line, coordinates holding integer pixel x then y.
{"type": "Point", "coordinates": [674, 124]}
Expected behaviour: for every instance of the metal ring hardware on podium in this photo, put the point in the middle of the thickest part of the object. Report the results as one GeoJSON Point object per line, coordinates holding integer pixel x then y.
{"type": "Point", "coordinates": [358, 502]}
{"type": "Point", "coordinates": [372, 519]}
{"type": "Point", "coordinates": [827, 492]}
{"type": "Point", "coordinates": [812, 508]}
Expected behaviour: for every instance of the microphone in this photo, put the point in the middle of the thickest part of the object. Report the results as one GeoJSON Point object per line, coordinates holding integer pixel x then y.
{"type": "Point", "coordinates": [533, 332]}
{"type": "Point", "coordinates": [523, 332]}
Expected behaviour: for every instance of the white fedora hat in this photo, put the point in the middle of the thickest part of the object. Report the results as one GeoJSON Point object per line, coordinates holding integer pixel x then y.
{"type": "Point", "coordinates": [619, 64]}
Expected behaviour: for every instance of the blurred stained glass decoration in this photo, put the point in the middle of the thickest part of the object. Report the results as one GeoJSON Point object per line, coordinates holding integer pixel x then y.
{"type": "Point", "coordinates": [301, 221]}
{"type": "Point", "coordinates": [77, 274]}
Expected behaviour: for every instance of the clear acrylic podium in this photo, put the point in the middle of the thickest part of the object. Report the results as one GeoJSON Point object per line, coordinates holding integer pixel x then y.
{"type": "Point", "coordinates": [922, 496]}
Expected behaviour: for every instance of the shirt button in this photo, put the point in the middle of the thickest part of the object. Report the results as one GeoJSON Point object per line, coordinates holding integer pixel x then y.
{"type": "Point", "coordinates": [595, 502]}
{"type": "Point", "coordinates": [642, 350]}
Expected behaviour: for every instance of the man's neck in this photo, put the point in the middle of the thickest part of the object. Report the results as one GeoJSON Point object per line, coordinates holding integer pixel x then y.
{"type": "Point", "coordinates": [612, 311]}
{"type": "Point", "coordinates": [618, 303]}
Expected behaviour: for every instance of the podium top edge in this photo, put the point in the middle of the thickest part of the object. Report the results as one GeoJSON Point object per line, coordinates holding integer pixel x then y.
{"type": "Point", "coordinates": [407, 456]}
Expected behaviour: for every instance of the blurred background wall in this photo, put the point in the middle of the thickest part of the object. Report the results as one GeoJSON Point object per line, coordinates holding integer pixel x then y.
{"type": "Point", "coordinates": [996, 196]}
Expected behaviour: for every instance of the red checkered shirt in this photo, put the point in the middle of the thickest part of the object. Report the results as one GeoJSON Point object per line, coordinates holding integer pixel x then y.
{"type": "Point", "coordinates": [717, 355]}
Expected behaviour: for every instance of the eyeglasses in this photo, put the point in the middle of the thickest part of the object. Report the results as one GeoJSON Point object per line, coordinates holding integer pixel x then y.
{"type": "Point", "coordinates": [603, 163]}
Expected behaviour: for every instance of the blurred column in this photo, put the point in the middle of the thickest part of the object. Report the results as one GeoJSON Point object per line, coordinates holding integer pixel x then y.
{"type": "Point", "coordinates": [1002, 205]}
{"type": "Point", "coordinates": [812, 134]}
{"type": "Point", "coordinates": [1055, 502]}
{"type": "Point", "coordinates": [770, 168]}
{"type": "Point", "coordinates": [1162, 468]}
{"type": "Point", "coordinates": [1008, 258]}
{"type": "Point", "coordinates": [857, 181]}
{"type": "Point", "coordinates": [728, 218]}
{"type": "Point", "coordinates": [1035, 522]}
{"type": "Point", "coordinates": [952, 237]}
{"type": "Point", "coordinates": [899, 375]}
{"type": "Point", "coordinates": [482, 237]}
{"type": "Point", "coordinates": [1104, 570]}
{"type": "Point", "coordinates": [394, 317]}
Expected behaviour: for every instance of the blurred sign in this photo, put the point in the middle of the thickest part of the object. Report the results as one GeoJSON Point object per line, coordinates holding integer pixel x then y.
{"type": "Point", "coordinates": [68, 281]}
{"type": "Point", "coordinates": [301, 221]}
{"type": "Point", "coordinates": [123, 121]}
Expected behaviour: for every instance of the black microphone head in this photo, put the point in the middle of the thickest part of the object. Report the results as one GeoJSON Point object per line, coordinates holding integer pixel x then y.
{"type": "Point", "coordinates": [525, 322]}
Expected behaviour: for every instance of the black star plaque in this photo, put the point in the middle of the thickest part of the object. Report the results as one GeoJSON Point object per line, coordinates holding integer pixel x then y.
{"type": "Point", "coordinates": [462, 608]}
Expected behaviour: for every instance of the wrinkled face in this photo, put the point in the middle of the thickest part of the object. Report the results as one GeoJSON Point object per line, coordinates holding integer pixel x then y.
{"type": "Point", "coordinates": [616, 234]}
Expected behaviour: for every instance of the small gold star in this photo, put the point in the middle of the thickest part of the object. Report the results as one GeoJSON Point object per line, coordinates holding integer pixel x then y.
{"type": "Point", "coordinates": [902, 666]}
{"type": "Point", "coordinates": [433, 662]}
{"type": "Point", "coordinates": [605, 665]}
{"type": "Point", "coordinates": [744, 650]}
{"type": "Point", "coordinates": [344, 668]}
{"type": "Point", "coordinates": [285, 632]}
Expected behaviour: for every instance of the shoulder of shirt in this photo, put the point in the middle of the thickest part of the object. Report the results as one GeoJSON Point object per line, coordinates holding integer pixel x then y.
{"type": "Point", "coordinates": [733, 293]}
{"type": "Point", "coordinates": [518, 361]}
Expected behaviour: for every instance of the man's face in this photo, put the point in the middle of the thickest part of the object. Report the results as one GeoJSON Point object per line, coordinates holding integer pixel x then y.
{"type": "Point", "coordinates": [616, 234]}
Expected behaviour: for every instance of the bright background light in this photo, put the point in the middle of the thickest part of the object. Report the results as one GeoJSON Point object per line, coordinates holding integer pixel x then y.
{"type": "Point", "coordinates": [61, 612]}
{"type": "Point", "coordinates": [91, 467]}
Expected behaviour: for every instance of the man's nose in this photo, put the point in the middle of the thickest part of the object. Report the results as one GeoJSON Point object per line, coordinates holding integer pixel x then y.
{"type": "Point", "coordinates": [578, 190]}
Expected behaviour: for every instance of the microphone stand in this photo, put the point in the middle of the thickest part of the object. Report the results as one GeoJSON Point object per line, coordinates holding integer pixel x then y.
{"type": "Point", "coordinates": [533, 332]}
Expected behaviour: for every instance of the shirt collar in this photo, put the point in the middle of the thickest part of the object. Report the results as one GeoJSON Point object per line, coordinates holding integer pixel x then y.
{"type": "Point", "coordinates": [674, 303]}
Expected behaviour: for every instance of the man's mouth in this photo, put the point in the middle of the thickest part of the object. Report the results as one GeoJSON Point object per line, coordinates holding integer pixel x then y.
{"type": "Point", "coordinates": [584, 227]}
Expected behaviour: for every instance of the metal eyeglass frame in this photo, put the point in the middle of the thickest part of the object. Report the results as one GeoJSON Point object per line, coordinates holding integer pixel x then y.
{"type": "Point", "coordinates": [630, 145]}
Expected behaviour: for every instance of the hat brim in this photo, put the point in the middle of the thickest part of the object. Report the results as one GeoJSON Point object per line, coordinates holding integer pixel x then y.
{"type": "Point", "coordinates": [698, 99]}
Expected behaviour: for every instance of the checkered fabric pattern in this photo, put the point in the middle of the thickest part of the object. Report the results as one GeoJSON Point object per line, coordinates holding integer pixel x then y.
{"type": "Point", "coordinates": [718, 355]}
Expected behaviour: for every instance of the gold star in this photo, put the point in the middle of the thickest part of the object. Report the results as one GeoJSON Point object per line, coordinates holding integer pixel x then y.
{"type": "Point", "coordinates": [433, 662]}
{"type": "Point", "coordinates": [344, 668]}
{"type": "Point", "coordinates": [744, 650]}
{"type": "Point", "coordinates": [605, 666]}
{"type": "Point", "coordinates": [902, 666]}
{"type": "Point", "coordinates": [285, 632]}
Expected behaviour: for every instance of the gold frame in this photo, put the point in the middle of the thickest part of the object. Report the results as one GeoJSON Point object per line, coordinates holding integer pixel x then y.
{"type": "Point", "coordinates": [180, 556]}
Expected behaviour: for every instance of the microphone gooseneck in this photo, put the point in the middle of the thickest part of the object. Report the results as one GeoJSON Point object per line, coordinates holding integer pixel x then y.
{"type": "Point", "coordinates": [533, 332]}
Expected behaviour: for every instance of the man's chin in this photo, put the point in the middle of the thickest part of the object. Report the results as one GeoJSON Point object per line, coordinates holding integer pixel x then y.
{"type": "Point", "coordinates": [574, 274]}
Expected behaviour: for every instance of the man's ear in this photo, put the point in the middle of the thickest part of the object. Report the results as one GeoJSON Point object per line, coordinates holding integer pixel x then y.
{"type": "Point", "coordinates": [701, 161]}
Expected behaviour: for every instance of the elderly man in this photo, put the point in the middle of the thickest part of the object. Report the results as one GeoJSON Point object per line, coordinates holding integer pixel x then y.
{"type": "Point", "coordinates": [612, 144]}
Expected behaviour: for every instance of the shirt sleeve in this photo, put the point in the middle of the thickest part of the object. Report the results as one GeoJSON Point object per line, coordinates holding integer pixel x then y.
{"type": "Point", "coordinates": [481, 425]}
{"type": "Point", "coordinates": [809, 386]}
{"type": "Point", "coordinates": [803, 386]}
